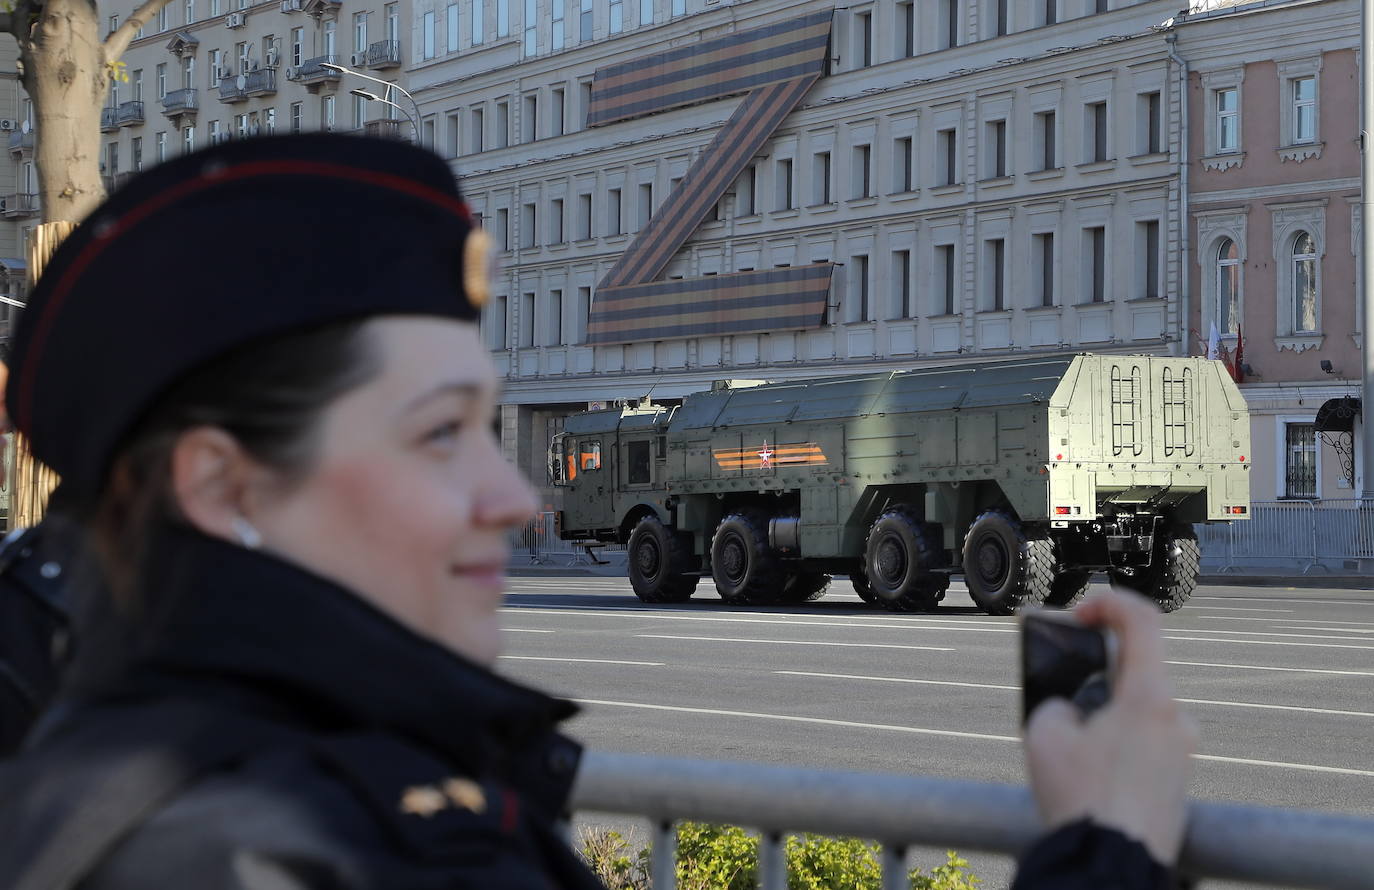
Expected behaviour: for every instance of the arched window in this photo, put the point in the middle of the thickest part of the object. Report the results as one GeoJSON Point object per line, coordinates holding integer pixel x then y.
{"type": "Point", "coordinates": [1304, 284]}
{"type": "Point", "coordinates": [1228, 286]}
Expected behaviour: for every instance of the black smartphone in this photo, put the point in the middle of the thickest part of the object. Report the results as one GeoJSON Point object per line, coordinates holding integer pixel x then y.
{"type": "Point", "coordinates": [1061, 658]}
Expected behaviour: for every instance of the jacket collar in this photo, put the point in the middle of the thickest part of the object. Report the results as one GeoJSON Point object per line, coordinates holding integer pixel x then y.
{"type": "Point", "coordinates": [223, 621]}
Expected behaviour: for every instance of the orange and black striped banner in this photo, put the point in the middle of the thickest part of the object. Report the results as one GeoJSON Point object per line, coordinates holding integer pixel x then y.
{"type": "Point", "coordinates": [711, 69]}
{"type": "Point", "coordinates": [790, 298]}
{"type": "Point", "coordinates": [769, 457]}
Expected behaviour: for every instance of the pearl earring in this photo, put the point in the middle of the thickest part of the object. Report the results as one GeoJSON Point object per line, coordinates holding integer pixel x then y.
{"type": "Point", "coordinates": [248, 535]}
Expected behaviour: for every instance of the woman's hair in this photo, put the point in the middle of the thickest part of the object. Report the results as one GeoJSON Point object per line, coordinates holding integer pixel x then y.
{"type": "Point", "coordinates": [268, 396]}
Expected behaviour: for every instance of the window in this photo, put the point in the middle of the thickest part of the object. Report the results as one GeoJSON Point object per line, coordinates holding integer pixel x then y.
{"type": "Point", "coordinates": [330, 35]}
{"type": "Point", "coordinates": [949, 23]}
{"type": "Point", "coordinates": [502, 228]}
{"type": "Point", "coordinates": [160, 147]}
{"type": "Point", "coordinates": [995, 274]}
{"type": "Point", "coordinates": [359, 112]}
{"type": "Point", "coordinates": [502, 127]}
{"type": "Point", "coordinates": [455, 132]}
{"type": "Point", "coordinates": [427, 35]}
{"type": "Point", "coordinates": [427, 133]}
{"type": "Point", "coordinates": [1046, 143]}
{"type": "Point", "coordinates": [945, 288]}
{"type": "Point", "coordinates": [646, 12]}
{"type": "Point", "coordinates": [902, 164]}
{"type": "Point", "coordinates": [161, 77]}
{"type": "Point", "coordinates": [112, 158]}
{"type": "Point", "coordinates": [136, 153]}
{"type": "Point", "coordinates": [1051, 12]}
{"type": "Point", "coordinates": [617, 16]}
{"type": "Point", "coordinates": [783, 173]}
{"type": "Point", "coordinates": [216, 137]}
{"type": "Point", "coordinates": [857, 308]}
{"type": "Point", "coordinates": [190, 9]}
{"type": "Point", "coordinates": [531, 32]}
{"type": "Point", "coordinates": [526, 320]}
{"type": "Point", "coordinates": [646, 203]}
{"type": "Point", "coordinates": [746, 192]}
{"type": "Point", "coordinates": [584, 312]}
{"type": "Point", "coordinates": [679, 8]}
{"type": "Point", "coordinates": [996, 148]}
{"type": "Point", "coordinates": [1228, 287]}
{"type": "Point", "coordinates": [585, 88]}
{"type": "Point", "coordinates": [1042, 258]}
{"type": "Point", "coordinates": [451, 28]}
{"type": "Point", "coordinates": [188, 139]}
{"type": "Point", "coordinates": [906, 30]}
{"type": "Point", "coordinates": [359, 31]}
{"type": "Point", "coordinates": [1100, 6]}
{"type": "Point", "coordinates": [327, 112]}
{"type": "Point", "coordinates": [1304, 91]}
{"type": "Point", "coordinates": [502, 18]}
{"type": "Point", "coordinates": [1003, 13]}
{"type": "Point", "coordinates": [947, 147]}
{"type": "Point", "coordinates": [901, 285]}
{"type": "Point", "coordinates": [1300, 460]}
{"type": "Point", "coordinates": [529, 118]}
{"type": "Point", "coordinates": [557, 33]}
{"type": "Point", "coordinates": [584, 22]}
{"type": "Point", "coordinates": [637, 463]}
{"type": "Point", "coordinates": [1095, 264]}
{"type": "Point", "coordinates": [1095, 132]}
{"type": "Point", "coordinates": [502, 14]}
{"type": "Point", "coordinates": [584, 216]}
{"type": "Point", "coordinates": [497, 337]}
{"type": "Point", "coordinates": [297, 46]}
{"type": "Point", "coordinates": [1150, 123]}
{"type": "Point", "coordinates": [297, 114]}
{"type": "Point", "coordinates": [1304, 284]}
{"type": "Point", "coordinates": [820, 178]}
{"type": "Point", "coordinates": [527, 225]}
{"type": "Point", "coordinates": [244, 54]}
{"type": "Point", "coordinates": [863, 39]}
{"type": "Point", "coordinates": [188, 73]}
{"type": "Point", "coordinates": [557, 111]}
{"type": "Point", "coordinates": [554, 335]}
{"type": "Point", "coordinates": [1228, 120]}
{"type": "Point", "coordinates": [477, 118]}
{"type": "Point", "coordinates": [613, 211]}
{"type": "Point", "coordinates": [1147, 263]}
{"type": "Point", "coordinates": [162, 19]}
{"type": "Point", "coordinates": [862, 172]}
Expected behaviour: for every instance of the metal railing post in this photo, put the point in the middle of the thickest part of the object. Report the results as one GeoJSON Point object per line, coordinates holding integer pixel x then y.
{"type": "Point", "coordinates": [663, 857]}
{"type": "Point", "coordinates": [894, 868]}
{"type": "Point", "coordinates": [772, 862]}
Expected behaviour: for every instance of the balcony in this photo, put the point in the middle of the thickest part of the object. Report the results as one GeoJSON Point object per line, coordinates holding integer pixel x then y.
{"type": "Point", "coordinates": [312, 73]}
{"type": "Point", "coordinates": [109, 120]}
{"type": "Point", "coordinates": [21, 144]}
{"type": "Point", "coordinates": [179, 102]}
{"type": "Point", "coordinates": [387, 129]}
{"type": "Point", "coordinates": [19, 206]}
{"type": "Point", "coordinates": [129, 114]}
{"type": "Point", "coordinates": [115, 182]}
{"type": "Point", "coordinates": [384, 54]}
{"type": "Point", "coordinates": [290, 6]}
{"type": "Point", "coordinates": [239, 87]}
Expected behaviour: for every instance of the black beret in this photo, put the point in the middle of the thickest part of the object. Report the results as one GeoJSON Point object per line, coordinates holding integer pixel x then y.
{"type": "Point", "coordinates": [221, 248]}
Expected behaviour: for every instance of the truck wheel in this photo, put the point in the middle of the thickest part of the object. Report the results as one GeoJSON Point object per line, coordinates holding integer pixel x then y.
{"type": "Point", "coordinates": [1007, 566]}
{"type": "Point", "coordinates": [745, 568]}
{"type": "Point", "coordinates": [1068, 588]}
{"type": "Point", "coordinates": [805, 587]}
{"type": "Point", "coordinates": [860, 582]}
{"type": "Point", "coordinates": [899, 556]}
{"type": "Point", "coordinates": [659, 564]}
{"type": "Point", "coordinates": [1172, 574]}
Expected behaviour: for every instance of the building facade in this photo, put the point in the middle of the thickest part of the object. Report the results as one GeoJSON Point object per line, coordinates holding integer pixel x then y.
{"type": "Point", "coordinates": [1273, 185]}
{"type": "Point", "coordinates": [974, 179]}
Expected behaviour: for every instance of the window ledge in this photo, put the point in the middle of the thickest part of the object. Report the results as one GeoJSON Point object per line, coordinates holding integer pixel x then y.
{"type": "Point", "coordinates": [1096, 166]}
{"type": "Point", "coordinates": [585, 242]}
{"type": "Point", "coordinates": [996, 182]}
{"type": "Point", "coordinates": [789, 213]}
{"type": "Point", "coordinates": [1300, 153]}
{"type": "Point", "coordinates": [1047, 173]}
{"type": "Point", "coordinates": [619, 238]}
{"type": "Point", "coordinates": [557, 247]}
{"type": "Point", "coordinates": [953, 188]}
{"type": "Point", "coordinates": [1223, 162]}
{"type": "Point", "coordinates": [1299, 342]}
{"type": "Point", "coordinates": [908, 195]}
{"type": "Point", "coordinates": [748, 218]}
{"type": "Point", "coordinates": [1094, 304]}
{"type": "Point", "coordinates": [1145, 301]}
{"type": "Point", "coordinates": [993, 313]}
{"type": "Point", "coordinates": [1042, 310]}
{"type": "Point", "coordinates": [1152, 157]}
{"type": "Point", "coordinates": [945, 317]}
{"type": "Point", "coordinates": [865, 201]}
{"type": "Point", "coordinates": [822, 208]}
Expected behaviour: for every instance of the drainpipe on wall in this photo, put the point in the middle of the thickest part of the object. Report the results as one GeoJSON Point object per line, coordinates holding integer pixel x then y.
{"type": "Point", "coordinates": [1185, 270]}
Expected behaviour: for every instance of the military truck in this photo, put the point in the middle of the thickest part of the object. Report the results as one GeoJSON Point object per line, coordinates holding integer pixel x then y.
{"type": "Point", "coordinates": [1026, 477]}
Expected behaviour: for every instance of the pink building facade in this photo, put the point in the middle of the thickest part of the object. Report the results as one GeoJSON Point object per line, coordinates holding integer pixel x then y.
{"type": "Point", "coordinates": [1272, 196]}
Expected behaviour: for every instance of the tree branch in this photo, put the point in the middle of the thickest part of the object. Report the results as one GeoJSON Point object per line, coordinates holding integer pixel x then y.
{"type": "Point", "coordinates": [121, 37]}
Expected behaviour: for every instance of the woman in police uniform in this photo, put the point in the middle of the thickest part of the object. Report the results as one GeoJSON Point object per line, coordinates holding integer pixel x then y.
{"type": "Point", "coordinates": [300, 513]}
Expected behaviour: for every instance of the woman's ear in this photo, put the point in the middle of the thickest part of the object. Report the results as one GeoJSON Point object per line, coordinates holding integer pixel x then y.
{"type": "Point", "coordinates": [211, 478]}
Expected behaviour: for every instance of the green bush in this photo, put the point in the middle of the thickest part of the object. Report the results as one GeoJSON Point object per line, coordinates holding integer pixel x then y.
{"type": "Point", "coordinates": [725, 857]}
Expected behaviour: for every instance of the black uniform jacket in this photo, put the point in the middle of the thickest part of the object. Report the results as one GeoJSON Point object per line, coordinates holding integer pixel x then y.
{"type": "Point", "coordinates": [388, 761]}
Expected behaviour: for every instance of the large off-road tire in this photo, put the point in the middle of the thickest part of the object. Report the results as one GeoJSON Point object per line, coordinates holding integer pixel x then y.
{"type": "Point", "coordinates": [745, 568]}
{"type": "Point", "coordinates": [1067, 588]}
{"type": "Point", "coordinates": [865, 592]}
{"type": "Point", "coordinates": [805, 587]}
{"type": "Point", "coordinates": [659, 564]}
{"type": "Point", "coordinates": [1172, 574]}
{"type": "Point", "coordinates": [1007, 566]}
{"type": "Point", "coordinates": [899, 556]}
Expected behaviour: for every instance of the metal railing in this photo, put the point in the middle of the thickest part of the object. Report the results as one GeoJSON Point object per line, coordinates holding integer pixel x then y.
{"type": "Point", "coordinates": [109, 118]}
{"type": "Point", "coordinates": [1297, 534]}
{"type": "Point", "coordinates": [19, 204]}
{"type": "Point", "coordinates": [386, 128]}
{"type": "Point", "coordinates": [539, 543]}
{"type": "Point", "coordinates": [384, 54]}
{"type": "Point", "coordinates": [129, 113]}
{"type": "Point", "coordinates": [21, 141]}
{"type": "Point", "coordinates": [1291, 848]}
{"type": "Point", "coordinates": [313, 70]}
{"type": "Point", "coordinates": [179, 101]}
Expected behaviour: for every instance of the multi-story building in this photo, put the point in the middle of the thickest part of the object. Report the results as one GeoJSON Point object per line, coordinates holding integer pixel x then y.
{"type": "Point", "coordinates": [684, 191]}
{"type": "Point", "coordinates": [1273, 190]}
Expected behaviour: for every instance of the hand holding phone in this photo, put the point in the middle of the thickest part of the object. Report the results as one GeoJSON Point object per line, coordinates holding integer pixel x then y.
{"type": "Point", "coordinates": [1062, 658]}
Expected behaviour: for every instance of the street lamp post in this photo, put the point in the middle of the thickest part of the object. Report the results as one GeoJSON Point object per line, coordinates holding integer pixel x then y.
{"type": "Point", "coordinates": [373, 97]}
{"type": "Point", "coordinates": [384, 98]}
{"type": "Point", "coordinates": [1367, 243]}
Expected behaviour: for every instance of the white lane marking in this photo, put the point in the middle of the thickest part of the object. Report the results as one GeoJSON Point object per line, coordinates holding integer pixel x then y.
{"type": "Point", "coordinates": [1268, 642]}
{"type": "Point", "coordinates": [1262, 633]}
{"type": "Point", "coordinates": [1261, 667]}
{"type": "Point", "coordinates": [583, 660]}
{"type": "Point", "coordinates": [947, 733]}
{"type": "Point", "coordinates": [1344, 630]}
{"type": "Point", "coordinates": [743, 618]}
{"type": "Point", "coordinates": [1275, 599]}
{"type": "Point", "coordinates": [1193, 612]}
{"type": "Point", "coordinates": [1303, 620]}
{"type": "Point", "coordinates": [1191, 701]}
{"type": "Point", "coordinates": [524, 630]}
{"type": "Point", "coordinates": [796, 642]}
{"type": "Point", "coordinates": [791, 718]}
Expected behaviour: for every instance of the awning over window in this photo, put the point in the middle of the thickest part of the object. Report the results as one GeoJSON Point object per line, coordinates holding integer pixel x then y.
{"type": "Point", "coordinates": [1338, 415]}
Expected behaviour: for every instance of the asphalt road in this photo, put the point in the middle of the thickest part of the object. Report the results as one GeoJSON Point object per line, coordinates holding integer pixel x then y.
{"type": "Point", "coordinates": [1278, 679]}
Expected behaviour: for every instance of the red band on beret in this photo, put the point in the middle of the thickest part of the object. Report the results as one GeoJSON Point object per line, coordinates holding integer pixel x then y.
{"type": "Point", "coordinates": [104, 238]}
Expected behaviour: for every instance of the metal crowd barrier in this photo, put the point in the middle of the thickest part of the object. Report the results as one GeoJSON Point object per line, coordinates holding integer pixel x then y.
{"type": "Point", "coordinates": [1305, 535]}
{"type": "Point", "coordinates": [538, 541]}
{"type": "Point", "coordinates": [1291, 848]}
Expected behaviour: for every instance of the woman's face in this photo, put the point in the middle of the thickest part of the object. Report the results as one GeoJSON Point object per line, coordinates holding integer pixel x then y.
{"type": "Point", "coordinates": [410, 500]}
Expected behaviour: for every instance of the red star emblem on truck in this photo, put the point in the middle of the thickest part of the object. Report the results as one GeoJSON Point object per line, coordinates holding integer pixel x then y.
{"type": "Point", "coordinates": [765, 456]}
